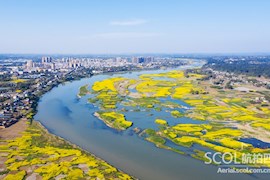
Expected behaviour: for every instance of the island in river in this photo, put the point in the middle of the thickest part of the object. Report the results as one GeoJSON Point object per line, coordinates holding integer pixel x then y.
{"type": "Point", "coordinates": [216, 117]}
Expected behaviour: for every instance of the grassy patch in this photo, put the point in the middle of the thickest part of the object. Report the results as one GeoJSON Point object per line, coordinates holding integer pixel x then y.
{"type": "Point", "coordinates": [83, 91]}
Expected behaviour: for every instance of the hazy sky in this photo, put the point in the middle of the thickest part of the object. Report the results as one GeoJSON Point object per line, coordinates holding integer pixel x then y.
{"type": "Point", "coordinates": [134, 26]}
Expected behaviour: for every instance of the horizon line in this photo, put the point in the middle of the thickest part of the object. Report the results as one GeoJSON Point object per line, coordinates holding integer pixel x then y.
{"type": "Point", "coordinates": [148, 53]}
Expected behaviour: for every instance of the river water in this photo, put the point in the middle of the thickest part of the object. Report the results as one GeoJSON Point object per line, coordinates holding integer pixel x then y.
{"type": "Point", "coordinates": [64, 115]}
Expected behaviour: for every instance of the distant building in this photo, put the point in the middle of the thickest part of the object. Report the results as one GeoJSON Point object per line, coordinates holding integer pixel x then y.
{"type": "Point", "coordinates": [134, 60]}
{"type": "Point", "coordinates": [118, 59]}
{"type": "Point", "coordinates": [149, 59]}
{"type": "Point", "coordinates": [141, 60]}
{"type": "Point", "coordinates": [74, 64]}
{"type": "Point", "coordinates": [29, 64]}
{"type": "Point", "coordinates": [138, 60]}
{"type": "Point", "coordinates": [53, 66]}
{"type": "Point", "coordinates": [45, 59]}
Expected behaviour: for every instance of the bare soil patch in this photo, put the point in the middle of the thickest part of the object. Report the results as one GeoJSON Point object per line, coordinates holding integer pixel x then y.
{"type": "Point", "coordinates": [14, 131]}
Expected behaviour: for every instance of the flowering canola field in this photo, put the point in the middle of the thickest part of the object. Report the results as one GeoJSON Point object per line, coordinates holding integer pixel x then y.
{"type": "Point", "coordinates": [38, 154]}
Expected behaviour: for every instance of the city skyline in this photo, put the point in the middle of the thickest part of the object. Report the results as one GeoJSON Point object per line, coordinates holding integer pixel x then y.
{"type": "Point", "coordinates": [121, 27]}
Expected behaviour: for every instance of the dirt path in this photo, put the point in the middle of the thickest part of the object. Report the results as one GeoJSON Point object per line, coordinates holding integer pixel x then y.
{"type": "Point", "coordinates": [13, 131]}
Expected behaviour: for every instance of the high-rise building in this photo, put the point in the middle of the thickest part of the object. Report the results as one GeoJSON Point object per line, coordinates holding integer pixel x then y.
{"type": "Point", "coordinates": [134, 60]}
{"type": "Point", "coordinates": [149, 59]}
{"type": "Point", "coordinates": [118, 59]}
{"type": "Point", "coordinates": [29, 64]}
{"type": "Point", "coordinates": [46, 59]}
{"type": "Point", "coordinates": [141, 60]}
{"type": "Point", "coordinates": [53, 66]}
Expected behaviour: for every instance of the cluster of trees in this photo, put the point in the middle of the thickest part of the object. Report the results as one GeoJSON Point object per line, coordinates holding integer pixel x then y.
{"type": "Point", "coordinates": [252, 66]}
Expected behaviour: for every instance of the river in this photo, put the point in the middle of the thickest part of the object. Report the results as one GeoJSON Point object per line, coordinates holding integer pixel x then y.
{"type": "Point", "coordinates": [64, 115]}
